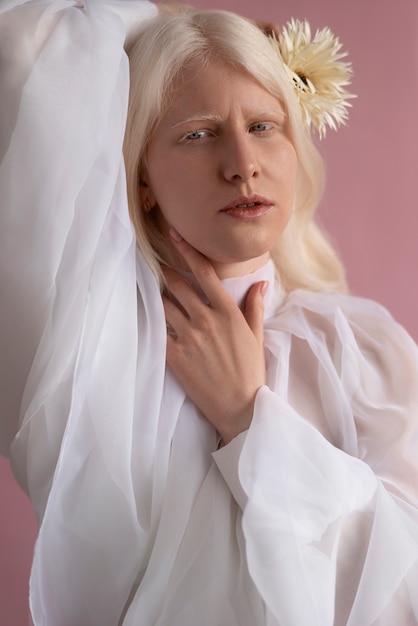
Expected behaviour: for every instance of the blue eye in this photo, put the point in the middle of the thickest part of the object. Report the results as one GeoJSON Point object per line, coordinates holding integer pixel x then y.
{"type": "Point", "coordinates": [261, 127]}
{"type": "Point", "coordinates": [195, 135]}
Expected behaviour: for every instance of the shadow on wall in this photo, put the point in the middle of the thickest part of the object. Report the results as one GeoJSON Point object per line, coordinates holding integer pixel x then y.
{"type": "Point", "coordinates": [18, 532]}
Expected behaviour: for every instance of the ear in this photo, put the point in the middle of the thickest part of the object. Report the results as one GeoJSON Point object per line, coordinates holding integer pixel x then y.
{"type": "Point", "coordinates": [145, 191]}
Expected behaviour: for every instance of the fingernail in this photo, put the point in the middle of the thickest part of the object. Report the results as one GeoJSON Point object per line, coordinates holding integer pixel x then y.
{"type": "Point", "coordinates": [264, 288]}
{"type": "Point", "coordinates": [175, 235]}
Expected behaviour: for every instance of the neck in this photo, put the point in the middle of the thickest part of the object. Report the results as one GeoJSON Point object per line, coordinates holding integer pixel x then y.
{"type": "Point", "coordinates": [225, 270]}
{"type": "Point", "coordinates": [238, 286]}
{"type": "Point", "coordinates": [240, 268]}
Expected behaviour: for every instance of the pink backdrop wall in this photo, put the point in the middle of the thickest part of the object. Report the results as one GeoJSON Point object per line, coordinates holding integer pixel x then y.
{"type": "Point", "coordinates": [370, 207]}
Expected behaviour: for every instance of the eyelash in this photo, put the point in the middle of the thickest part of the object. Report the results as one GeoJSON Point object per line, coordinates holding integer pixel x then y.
{"type": "Point", "coordinates": [187, 136]}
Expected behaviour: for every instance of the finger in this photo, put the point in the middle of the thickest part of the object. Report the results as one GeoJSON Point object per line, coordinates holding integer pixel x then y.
{"type": "Point", "coordinates": [174, 317]}
{"type": "Point", "coordinates": [183, 293]}
{"type": "Point", "coordinates": [203, 271]}
{"type": "Point", "coordinates": [268, 28]}
{"type": "Point", "coordinates": [170, 7]}
{"type": "Point", "coordinates": [254, 310]}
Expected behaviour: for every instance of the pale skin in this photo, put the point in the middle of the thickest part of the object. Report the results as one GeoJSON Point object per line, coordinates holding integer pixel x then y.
{"type": "Point", "coordinates": [173, 7]}
{"type": "Point", "coordinates": [236, 145]}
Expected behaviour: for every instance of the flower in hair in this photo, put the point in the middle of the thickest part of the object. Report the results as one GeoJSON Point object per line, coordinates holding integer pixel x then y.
{"type": "Point", "coordinates": [317, 73]}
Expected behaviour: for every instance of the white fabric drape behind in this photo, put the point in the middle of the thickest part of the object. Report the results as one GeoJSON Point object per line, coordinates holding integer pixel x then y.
{"type": "Point", "coordinates": [308, 518]}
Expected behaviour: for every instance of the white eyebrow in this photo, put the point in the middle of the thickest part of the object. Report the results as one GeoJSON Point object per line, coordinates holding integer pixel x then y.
{"type": "Point", "coordinates": [209, 117]}
{"type": "Point", "coordinates": [199, 117]}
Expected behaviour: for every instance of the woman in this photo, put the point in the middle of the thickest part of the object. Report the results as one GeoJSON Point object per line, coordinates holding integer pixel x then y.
{"type": "Point", "coordinates": [252, 480]}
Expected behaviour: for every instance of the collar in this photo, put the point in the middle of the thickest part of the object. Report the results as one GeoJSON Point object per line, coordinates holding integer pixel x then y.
{"type": "Point", "coordinates": [238, 287]}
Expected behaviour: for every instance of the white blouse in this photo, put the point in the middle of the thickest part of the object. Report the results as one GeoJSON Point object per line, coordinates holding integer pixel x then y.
{"type": "Point", "coordinates": [308, 518]}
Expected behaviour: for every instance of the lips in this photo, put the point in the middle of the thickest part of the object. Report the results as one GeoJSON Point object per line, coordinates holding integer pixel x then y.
{"type": "Point", "coordinates": [247, 207]}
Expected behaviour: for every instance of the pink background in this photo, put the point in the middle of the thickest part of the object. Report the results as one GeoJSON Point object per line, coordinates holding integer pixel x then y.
{"type": "Point", "coordinates": [370, 207]}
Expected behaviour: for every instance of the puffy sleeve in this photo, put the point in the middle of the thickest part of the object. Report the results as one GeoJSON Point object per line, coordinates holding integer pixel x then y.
{"type": "Point", "coordinates": [64, 86]}
{"type": "Point", "coordinates": [70, 313]}
{"type": "Point", "coordinates": [327, 474]}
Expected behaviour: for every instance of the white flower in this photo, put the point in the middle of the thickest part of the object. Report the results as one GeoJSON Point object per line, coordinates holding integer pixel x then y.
{"type": "Point", "coordinates": [317, 72]}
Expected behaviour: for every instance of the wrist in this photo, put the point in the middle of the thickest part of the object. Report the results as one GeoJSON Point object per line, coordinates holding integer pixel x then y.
{"type": "Point", "coordinates": [236, 426]}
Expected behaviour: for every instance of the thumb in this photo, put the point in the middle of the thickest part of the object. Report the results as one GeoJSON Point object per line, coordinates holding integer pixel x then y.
{"type": "Point", "coordinates": [254, 309]}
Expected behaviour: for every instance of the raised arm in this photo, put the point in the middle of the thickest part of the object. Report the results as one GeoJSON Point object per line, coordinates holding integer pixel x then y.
{"type": "Point", "coordinates": [64, 84]}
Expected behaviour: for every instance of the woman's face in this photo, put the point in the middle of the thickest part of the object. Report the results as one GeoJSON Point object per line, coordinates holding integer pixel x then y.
{"type": "Point", "coordinates": [222, 169]}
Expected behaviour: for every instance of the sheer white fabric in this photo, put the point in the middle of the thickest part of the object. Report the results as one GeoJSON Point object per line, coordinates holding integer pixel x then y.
{"type": "Point", "coordinates": [310, 517]}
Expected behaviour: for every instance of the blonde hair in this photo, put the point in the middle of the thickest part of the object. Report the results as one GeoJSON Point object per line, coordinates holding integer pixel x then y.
{"type": "Point", "coordinates": [158, 52]}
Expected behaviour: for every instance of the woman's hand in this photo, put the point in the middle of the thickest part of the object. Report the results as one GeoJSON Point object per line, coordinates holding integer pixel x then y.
{"type": "Point", "coordinates": [174, 7]}
{"type": "Point", "coordinates": [268, 28]}
{"type": "Point", "coordinates": [215, 350]}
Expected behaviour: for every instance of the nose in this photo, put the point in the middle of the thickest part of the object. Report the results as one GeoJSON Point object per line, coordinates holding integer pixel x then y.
{"type": "Point", "coordinates": [238, 158]}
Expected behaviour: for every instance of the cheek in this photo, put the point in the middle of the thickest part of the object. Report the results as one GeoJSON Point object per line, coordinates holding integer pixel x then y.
{"type": "Point", "coordinates": [173, 207]}
{"type": "Point", "coordinates": [178, 194]}
{"type": "Point", "coordinates": [291, 174]}
{"type": "Point", "coordinates": [164, 189]}
{"type": "Point", "coordinates": [291, 160]}
{"type": "Point", "coordinates": [282, 163]}
{"type": "Point", "coordinates": [161, 171]}
{"type": "Point", "coordinates": [170, 181]}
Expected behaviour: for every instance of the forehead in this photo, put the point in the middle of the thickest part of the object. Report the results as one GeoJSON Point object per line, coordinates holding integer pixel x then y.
{"type": "Point", "coordinates": [214, 87]}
